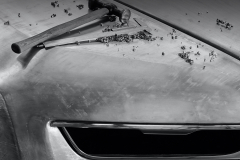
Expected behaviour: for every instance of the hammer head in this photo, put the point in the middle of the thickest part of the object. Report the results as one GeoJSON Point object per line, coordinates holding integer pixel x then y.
{"type": "Point", "coordinates": [124, 15]}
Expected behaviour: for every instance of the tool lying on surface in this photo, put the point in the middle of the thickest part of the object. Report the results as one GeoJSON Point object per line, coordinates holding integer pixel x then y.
{"type": "Point", "coordinates": [131, 28]}
{"type": "Point", "coordinates": [106, 8]}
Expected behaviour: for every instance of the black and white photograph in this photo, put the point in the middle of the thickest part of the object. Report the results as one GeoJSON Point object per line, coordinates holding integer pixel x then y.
{"type": "Point", "coordinates": [119, 79]}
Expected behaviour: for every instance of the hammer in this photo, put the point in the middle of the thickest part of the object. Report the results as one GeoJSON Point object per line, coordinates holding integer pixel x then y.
{"type": "Point", "coordinates": [100, 8]}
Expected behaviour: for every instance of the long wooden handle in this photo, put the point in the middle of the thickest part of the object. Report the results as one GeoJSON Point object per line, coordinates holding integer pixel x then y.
{"type": "Point", "coordinates": [18, 47]}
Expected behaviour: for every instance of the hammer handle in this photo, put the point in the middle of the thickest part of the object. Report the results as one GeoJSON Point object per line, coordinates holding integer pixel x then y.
{"type": "Point", "coordinates": [28, 43]}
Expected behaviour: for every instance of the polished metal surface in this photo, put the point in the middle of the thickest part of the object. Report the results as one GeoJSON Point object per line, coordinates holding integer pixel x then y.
{"type": "Point", "coordinates": [150, 126]}
{"type": "Point", "coordinates": [100, 83]}
{"type": "Point", "coordinates": [9, 148]}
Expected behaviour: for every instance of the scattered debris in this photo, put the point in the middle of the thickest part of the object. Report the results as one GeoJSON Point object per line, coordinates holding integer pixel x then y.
{"type": "Point", "coordinates": [190, 47]}
{"type": "Point", "coordinates": [190, 61]}
{"type": "Point", "coordinates": [54, 4]}
{"type": "Point", "coordinates": [19, 15]}
{"type": "Point", "coordinates": [69, 14]}
{"type": "Point", "coordinates": [80, 6]}
{"type": "Point", "coordinates": [66, 11]}
{"type": "Point", "coordinates": [183, 47]}
{"type": "Point", "coordinates": [185, 56]}
{"type": "Point", "coordinates": [174, 31]}
{"type": "Point", "coordinates": [204, 67]}
{"type": "Point", "coordinates": [126, 37]}
{"type": "Point", "coordinates": [212, 55]}
{"type": "Point", "coordinates": [224, 24]}
{"type": "Point", "coordinates": [197, 54]}
{"type": "Point", "coordinates": [175, 37]}
{"type": "Point", "coordinates": [161, 38]}
{"type": "Point", "coordinates": [53, 15]}
{"type": "Point", "coordinates": [107, 29]}
{"type": "Point", "coordinates": [7, 23]}
{"type": "Point", "coordinates": [101, 24]}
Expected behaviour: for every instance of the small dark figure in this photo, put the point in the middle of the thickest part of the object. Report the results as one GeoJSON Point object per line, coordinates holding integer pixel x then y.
{"type": "Point", "coordinates": [197, 54]}
{"type": "Point", "coordinates": [189, 61]}
{"type": "Point", "coordinates": [183, 48]}
{"type": "Point", "coordinates": [7, 23]}
{"type": "Point", "coordinates": [53, 15]}
{"type": "Point", "coordinates": [53, 4]}
{"type": "Point", "coordinates": [80, 6]}
{"type": "Point", "coordinates": [19, 15]}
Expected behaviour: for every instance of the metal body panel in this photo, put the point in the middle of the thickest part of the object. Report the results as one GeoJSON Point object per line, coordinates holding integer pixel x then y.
{"type": "Point", "coordinates": [8, 140]}
{"type": "Point", "coordinates": [100, 83]}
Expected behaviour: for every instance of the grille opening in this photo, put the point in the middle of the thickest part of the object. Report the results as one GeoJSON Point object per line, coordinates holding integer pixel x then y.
{"type": "Point", "coordinates": [126, 142]}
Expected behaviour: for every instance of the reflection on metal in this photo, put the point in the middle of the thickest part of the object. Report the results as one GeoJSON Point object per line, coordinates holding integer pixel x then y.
{"type": "Point", "coordinates": [117, 125]}
{"type": "Point", "coordinates": [144, 126]}
{"type": "Point", "coordinates": [58, 145]}
{"type": "Point", "coordinates": [6, 74]}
